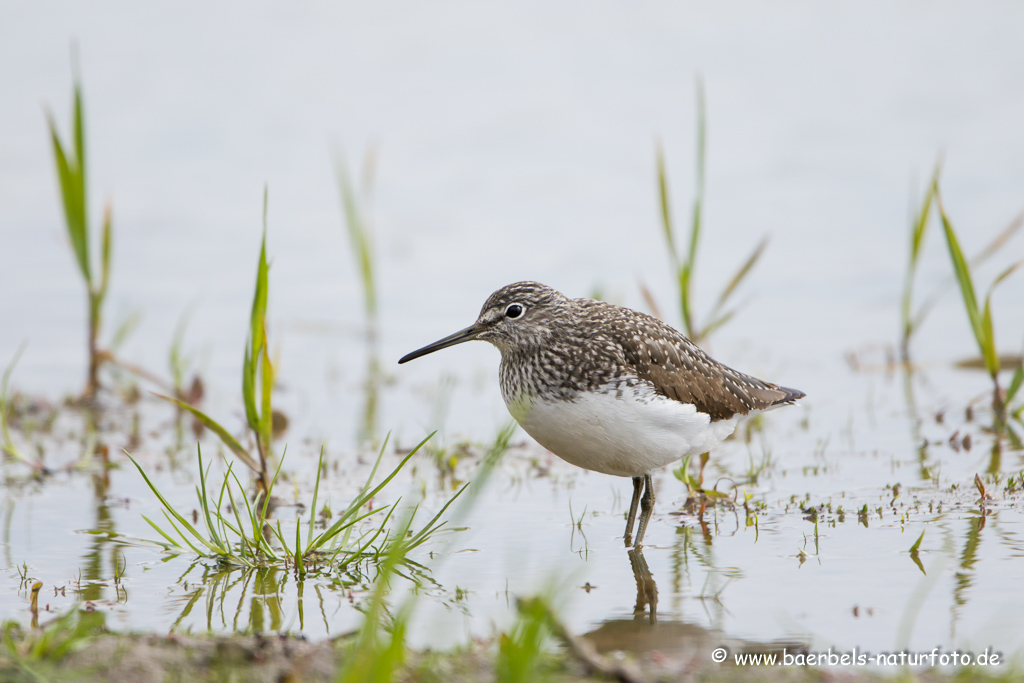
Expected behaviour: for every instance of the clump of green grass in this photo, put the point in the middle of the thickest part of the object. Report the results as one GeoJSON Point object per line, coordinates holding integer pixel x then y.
{"type": "Point", "coordinates": [685, 265]}
{"type": "Point", "coordinates": [241, 533]}
{"type": "Point", "coordinates": [980, 316]}
{"type": "Point", "coordinates": [257, 379]}
{"type": "Point", "coordinates": [71, 175]}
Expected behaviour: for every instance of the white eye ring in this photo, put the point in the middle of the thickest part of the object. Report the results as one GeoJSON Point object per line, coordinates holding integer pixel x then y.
{"type": "Point", "coordinates": [514, 311]}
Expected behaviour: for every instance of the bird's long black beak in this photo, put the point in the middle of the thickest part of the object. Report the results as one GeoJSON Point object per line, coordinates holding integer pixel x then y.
{"type": "Point", "coordinates": [468, 334]}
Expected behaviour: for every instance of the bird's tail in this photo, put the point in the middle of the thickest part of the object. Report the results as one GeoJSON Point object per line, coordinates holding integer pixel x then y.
{"type": "Point", "coordinates": [791, 397]}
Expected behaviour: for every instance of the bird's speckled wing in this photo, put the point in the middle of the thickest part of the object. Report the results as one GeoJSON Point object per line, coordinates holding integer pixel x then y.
{"type": "Point", "coordinates": [680, 370]}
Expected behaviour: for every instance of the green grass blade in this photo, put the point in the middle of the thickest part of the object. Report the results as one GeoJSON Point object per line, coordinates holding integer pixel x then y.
{"type": "Point", "coordinates": [330, 533]}
{"type": "Point", "coordinates": [7, 445]}
{"type": "Point", "coordinates": [919, 228]}
{"type": "Point", "coordinates": [184, 537]}
{"type": "Point", "coordinates": [427, 530]}
{"type": "Point", "coordinates": [376, 465]}
{"type": "Point", "coordinates": [204, 502]}
{"type": "Point", "coordinates": [917, 544]}
{"type": "Point", "coordinates": [918, 231]}
{"type": "Point", "coordinates": [170, 508]}
{"type": "Point", "coordinates": [257, 540]}
{"type": "Point", "coordinates": [266, 410]}
{"type": "Point", "coordinates": [989, 352]}
{"type": "Point", "coordinates": [963, 276]}
{"type": "Point", "coordinates": [316, 491]}
{"type": "Point", "coordinates": [360, 236]}
{"type": "Point", "coordinates": [105, 254]}
{"type": "Point", "coordinates": [249, 389]}
{"type": "Point", "coordinates": [742, 273]}
{"type": "Point", "coordinates": [914, 553]}
{"type": "Point", "coordinates": [257, 333]}
{"type": "Point", "coordinates": [1003, 275]}
{"type": "Point", "coordinates": [300, 566]}
{"type": "Point", "coordinates": [178, 361]}
{"type": "Point", "coordinates": [702, 137]}
{"type": "Point", "coordinates": [69, 176]}
{"type": "Point", "coordinates": [229, 441]}
{"type": "Point", "coordinates": [689, 263]}
{"type": "Point", "coordinates": [999, 241]}
{"type": "Point", "coordinates": [975, 261]}
{"type": "Point", "coordinates": [79, 136]}
{"type": "Point", "coordinates": [276, 530]}
{"type": "Point", "coordinates": [341, 524]}
{"type": "Point", "coordinates": [666, 211]}
{"type": "Point", "coordinates": [717, 322]}
{"type": "Point", "coordinates": [273, 481]}
{"type": "Point", "coordinates": [382, 528]}
{"type": "Point", "coordinates": [236, 511]}
{"type": "Point", "coordinates": [125, 329]}
{"type": "Point", "coordinates": [223, 490]}
{"type": "Point", "coordinates": [362, 499]}
{"type": "Point", "coordinates": [683, 281]}
{"type": "Point", "coordinates": [698, 198]}
{"type": "Point", "coordinates": [161, 532]}
{"type": "Point", "coordinates": [988, 341]}
{"type": "Point", "coordinates": [1015, 384]}
{"type": "Point", "coordinates": [261, 503]}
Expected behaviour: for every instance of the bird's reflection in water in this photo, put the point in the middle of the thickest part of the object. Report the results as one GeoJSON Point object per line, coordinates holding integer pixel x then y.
{"type": "Point", "coordinates": [672, 640]}
{"type": "Point", "coordinates": [646, 588]}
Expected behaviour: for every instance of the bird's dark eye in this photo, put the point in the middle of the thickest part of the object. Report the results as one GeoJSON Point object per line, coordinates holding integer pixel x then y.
{"type": "Point", "coordinates": [513, 311]}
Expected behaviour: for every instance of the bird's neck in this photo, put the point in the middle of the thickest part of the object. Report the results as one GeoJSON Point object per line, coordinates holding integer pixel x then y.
{"type": "Point", "coordinates": [531, 372]}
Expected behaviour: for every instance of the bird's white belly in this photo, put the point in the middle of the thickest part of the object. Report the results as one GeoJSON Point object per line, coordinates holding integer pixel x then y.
{"type": "Point", "coordinates": [626, 435]}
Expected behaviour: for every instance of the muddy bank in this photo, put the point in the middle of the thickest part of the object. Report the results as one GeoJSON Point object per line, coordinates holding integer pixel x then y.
{"type": "Point", "coordinates": [259, 659]}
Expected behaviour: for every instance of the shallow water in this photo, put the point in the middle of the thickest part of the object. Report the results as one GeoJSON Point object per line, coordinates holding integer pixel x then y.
{"type": "Point", "coordinates": [518, 143]}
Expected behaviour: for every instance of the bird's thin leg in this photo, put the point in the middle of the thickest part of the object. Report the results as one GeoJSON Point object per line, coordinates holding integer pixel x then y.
{"type": "Point", "coordinates": [638, 485]}
{"type": "Point", "coordinates": [646, 506]}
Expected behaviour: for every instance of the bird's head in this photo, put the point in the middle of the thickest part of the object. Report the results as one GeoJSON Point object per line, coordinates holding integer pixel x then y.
{"type": "Point", "coordinates": [516, 316]}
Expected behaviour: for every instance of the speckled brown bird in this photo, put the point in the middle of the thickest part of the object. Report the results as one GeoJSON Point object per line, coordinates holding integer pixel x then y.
{"type": "Point", "coordinates": [610, 389]}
